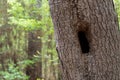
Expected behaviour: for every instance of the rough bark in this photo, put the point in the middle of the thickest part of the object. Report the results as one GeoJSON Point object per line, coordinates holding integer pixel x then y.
{"type": "Point", "coordinates": [87, 39]}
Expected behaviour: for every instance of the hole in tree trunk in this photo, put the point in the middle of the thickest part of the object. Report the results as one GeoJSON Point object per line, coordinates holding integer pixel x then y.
{"type": "Point", "coordinates": [84, 43]}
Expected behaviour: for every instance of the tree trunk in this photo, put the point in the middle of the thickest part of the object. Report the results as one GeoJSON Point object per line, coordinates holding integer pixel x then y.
{"type": "Point", "coordinates": [34, 45]}
{"type": "Point", "coordinates": [87, 39]}
{"type": "Point", "coordinates": [4, 12]}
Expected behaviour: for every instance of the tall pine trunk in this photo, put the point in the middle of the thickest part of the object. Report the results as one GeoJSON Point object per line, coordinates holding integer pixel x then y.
{"type": "Point", "coordinates": [87, 39]}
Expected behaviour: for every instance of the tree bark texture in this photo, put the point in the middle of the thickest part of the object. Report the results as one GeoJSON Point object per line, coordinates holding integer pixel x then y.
{"type": "Point", "coordinates": [87, 39]}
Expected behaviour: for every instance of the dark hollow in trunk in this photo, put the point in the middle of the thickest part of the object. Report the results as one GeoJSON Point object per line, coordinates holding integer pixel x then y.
{"type": "Point", "coordinates": [83, 42]}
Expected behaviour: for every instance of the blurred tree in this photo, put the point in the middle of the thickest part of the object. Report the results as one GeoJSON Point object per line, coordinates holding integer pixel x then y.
{"type": "Point", "coordinates": [9, 45]}
{"type": "Point", "coordinates": [23, 49]}
{"type": "Point", "coordinates": [4, 12]}
{"type": "Point", "coordinates": [4, 29]}
{"type": "Point", "coordinates": [34, 44]}
{"type": "Point", "coordinates": [34, 48]}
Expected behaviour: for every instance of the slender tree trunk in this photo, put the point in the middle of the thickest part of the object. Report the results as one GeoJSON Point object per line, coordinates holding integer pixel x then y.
{"type": "Point", "coordinates": [87, 39]}
{"type": "Point", "coordinates": [5, 13]}
{"type": "Point", "coordinates": [34, 45]}
{"type": "Point", "coordinates": [4, 29]}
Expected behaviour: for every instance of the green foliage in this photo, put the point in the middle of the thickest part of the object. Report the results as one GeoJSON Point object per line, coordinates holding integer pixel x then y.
{"type": "Point", "coordinates": [117, 7]}
{"type": "Point", "coordinates": [25, 16]}
{"type": "Point", "coordinates": [13, 73]}
{"type": "Point", "coordinates": [28, 16]}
